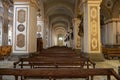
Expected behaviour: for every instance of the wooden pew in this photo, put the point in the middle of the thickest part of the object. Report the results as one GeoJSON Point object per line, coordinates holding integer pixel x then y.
{"type": "Point", "coordinates": [56, 54]}
{"type": "Point", "coordinates": [54, 62]}
{"type": "Point", "coordinates": [58, 49]}
{"type": "Point", "coordinates": [57, 62]}
{"type": "Point", "coordinates": [50, 58]}
{"type": "Point", "coordinates": [111, 52]}
{"type": "Point", "coordinates": [54, 73]}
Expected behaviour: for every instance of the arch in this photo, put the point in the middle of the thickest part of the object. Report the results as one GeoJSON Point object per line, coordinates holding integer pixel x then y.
{"type": "Point", "coordinates": [60, 30]}
{"type": "Point", "coordinates": [58, 23]}
{"type": "Point", "coordinates": [59, 17]}
{"type": "Point", "coordinates": [106, 12]}
{"type": "Point", "coordinates": [116, 9]}
{"type": "Point", "coordinates": [61, 9]}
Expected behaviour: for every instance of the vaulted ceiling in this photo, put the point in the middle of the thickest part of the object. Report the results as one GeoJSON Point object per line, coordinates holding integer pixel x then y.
{"type": "Point", "coordinates": [60, 12]}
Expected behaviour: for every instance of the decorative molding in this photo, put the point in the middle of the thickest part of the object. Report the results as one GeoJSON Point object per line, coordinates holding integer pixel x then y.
{"type": "Point", "coordinates": [94, 46]}
{"type": "Point", "coordinates": [33, 3]}
{"type": "Point", "coordinates": [78, 42]}
{"type": "Point", "coordinates": [112, 20]}
{"type": "Point", "coordinates": [20, 28]}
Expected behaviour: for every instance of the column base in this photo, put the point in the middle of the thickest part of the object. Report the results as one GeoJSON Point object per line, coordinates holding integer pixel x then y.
{"type": "Point", "coordinates": [97, 57]}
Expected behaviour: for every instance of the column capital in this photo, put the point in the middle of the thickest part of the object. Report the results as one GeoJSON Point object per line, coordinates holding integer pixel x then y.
{"type": "Point", "coordinates": [91, 1]}
{"type": "Point", "coordinates": [6, 4]}
{"type": "Point", "coordinates": [112, 20]}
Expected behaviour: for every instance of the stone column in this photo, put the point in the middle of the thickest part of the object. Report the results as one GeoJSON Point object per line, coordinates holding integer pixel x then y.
{"type": "Point", "coordinates": [1, 24]}
{"type": "Point", "coordinates": [106, 37]}
{"type": "Point", "coordinates": [25, 26]}
{"type": "Point", "coordinates": [71, 40]}
{"type": "Point", "coordinates": [51, 35]}
{"type": "Point", "coordinates": [113, 31]}
{"type": "Point", "coordinates": [103, 34]}
{"type": "Point", "coordinates": [118, 31]}
{"type": "Point", "coordinates": [5, 25]}
{"type": "Point", "coordinates": [44, 33]}
{"type": "Point", "coordinates": [92, 41]}
{"type": "Point", "coordinates": [47, 33]}
{"type": "Point", "coordinates": [76, 36]}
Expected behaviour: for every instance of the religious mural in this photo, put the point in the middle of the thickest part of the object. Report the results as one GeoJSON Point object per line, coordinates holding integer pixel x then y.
{"type": "Point", "coordinates": [21, 27]}
{"type": "Point", "coordinates": [20, 40]}
{"type": "Point", "coordinates": [21, 16]}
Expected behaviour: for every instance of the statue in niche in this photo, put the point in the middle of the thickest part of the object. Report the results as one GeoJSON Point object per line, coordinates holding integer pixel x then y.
{"type": "Point", "coordinates": [81, 31]}
{"type": "Point", "coordinates": [71, 33]}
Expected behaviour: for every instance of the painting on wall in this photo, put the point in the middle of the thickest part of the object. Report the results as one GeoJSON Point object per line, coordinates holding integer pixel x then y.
{"type": "Point", "coordinates": [21, 16]}
{"type": "Point", "coordinates": [21, 27]}
{"type": "Point", "coordinates": [20, 40]}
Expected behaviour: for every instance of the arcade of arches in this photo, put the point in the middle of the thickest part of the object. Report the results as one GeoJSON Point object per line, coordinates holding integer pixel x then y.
{"type": "Point", "coordinates": [84, 25]}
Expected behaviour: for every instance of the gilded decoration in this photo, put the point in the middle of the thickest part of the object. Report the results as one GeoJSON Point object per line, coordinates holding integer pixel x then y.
{"type": "Point", "coordinates": [78, 37]}
{"type": "Point", "coordinates": [93, 13]}
{"type": "Point", "coordinates": [94, 43]}
{"type": "Point", "coordinates": [20, 40]}
{"type": "Point", "coordinates": [21, 27]}
{"type": "Point", "coordinates": [94, 29]}
{"type": "Point", "coordinates": [21, 16]}
{"type": "Point", "coordinates": [78, 42]}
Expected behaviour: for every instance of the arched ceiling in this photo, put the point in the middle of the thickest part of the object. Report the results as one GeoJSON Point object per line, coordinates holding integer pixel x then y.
{"type": "Point", "coordinates": [59, 12]}
{"type": "Point", "coordinates": [110, 9]}
{"type": "Point", "coordinates": [59, 30]}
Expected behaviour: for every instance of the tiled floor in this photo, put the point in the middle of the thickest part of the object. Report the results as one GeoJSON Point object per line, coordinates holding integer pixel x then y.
{"type": "Point", "coordinates": [106, 64]}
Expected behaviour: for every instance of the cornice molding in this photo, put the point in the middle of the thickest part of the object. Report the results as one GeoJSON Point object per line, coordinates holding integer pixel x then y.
{"type": "Point", "coordinates": [112, 20]}
{"type": "Point", "coordinates": [33, 3]}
